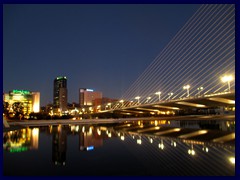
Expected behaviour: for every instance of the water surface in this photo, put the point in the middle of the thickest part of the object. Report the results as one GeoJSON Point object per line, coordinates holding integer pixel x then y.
{"type": "Point", "coordinates": [151, 148]}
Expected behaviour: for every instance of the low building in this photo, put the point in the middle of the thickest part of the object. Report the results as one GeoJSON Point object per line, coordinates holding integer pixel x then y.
{"type": "Point", "coordinates": [87, 96]}
{"type": "Point", "coordinates": [30, 101]}
{"type": "Point", "coordinates": [103, 103]}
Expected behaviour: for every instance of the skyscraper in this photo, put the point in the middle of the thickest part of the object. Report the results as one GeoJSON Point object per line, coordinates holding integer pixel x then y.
{"type": "Point", "coordinates": [60, 93]}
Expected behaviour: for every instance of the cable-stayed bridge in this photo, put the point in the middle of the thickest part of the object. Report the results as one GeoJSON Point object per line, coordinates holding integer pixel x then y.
{"type": "Point", "coordinates": [196, 69]}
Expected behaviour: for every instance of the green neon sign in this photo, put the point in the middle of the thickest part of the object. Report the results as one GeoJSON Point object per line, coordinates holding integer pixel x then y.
{"type": "Point", "coordinates": [18, 149]}
{"type": "Point", "coordinates": [15, 91]}
{"type": "Point", "coordinates": [61, 77]}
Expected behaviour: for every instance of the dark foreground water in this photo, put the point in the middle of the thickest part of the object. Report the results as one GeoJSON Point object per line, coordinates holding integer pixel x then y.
{"type": "Point", "coordinates": [152, 148]}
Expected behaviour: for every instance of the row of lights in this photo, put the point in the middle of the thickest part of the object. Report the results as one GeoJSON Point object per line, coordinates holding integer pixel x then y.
{"type": "Point", "coordinates": [227, 78]}
{"type": "Point", "coordinates": [224, 79]}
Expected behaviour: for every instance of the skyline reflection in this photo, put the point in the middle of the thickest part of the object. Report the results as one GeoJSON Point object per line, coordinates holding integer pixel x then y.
{"type": "Point", "coordinates": [96, 138]}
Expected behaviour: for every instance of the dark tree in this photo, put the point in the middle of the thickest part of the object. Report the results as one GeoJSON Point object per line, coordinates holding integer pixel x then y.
{"type": "Point", "coordinates": [18, 110]}
{"type": "Point", "coordinates": [6, 109]}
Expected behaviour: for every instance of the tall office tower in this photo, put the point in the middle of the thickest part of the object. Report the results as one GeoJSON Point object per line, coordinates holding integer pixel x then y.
{"type": "Point", "coordinates": [60, 93]}
{"type": "Point", "coordinates": [87, 96]}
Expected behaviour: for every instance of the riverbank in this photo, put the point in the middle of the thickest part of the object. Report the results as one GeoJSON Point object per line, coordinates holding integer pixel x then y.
{"type": "Point", "coordinates": [120, 120]}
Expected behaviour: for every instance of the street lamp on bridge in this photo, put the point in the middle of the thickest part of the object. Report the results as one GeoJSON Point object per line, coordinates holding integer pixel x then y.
{"type": "Point", "coordinates": [187, 88]}
{"type": "Point", "coordinates": [121, 101]}
{"type": "Point", "coordinates": [170, 94]}
{"type": "Point", "coordinates": [199, 90]}
{"type": "Point", "coordinates": [138, 97]}
{"type": "Point", "coordinates": [98, 107]}
{"type": "Point", "coordinates": [130, 104]}
{"type": "Point", "coordinates": [148, 98]}
{"type": "Point", "coordinates": [227, 79]}
{"type": "Point", "coordinates": [159, 95]}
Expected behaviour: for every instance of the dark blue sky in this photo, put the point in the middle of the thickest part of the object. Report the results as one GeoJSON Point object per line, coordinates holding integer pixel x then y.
{"type": "Point", "coordinates": [103, 47]}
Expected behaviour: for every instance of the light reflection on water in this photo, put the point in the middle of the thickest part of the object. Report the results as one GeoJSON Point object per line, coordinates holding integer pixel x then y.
{"type": "Point", "coordinates": [139, 148]}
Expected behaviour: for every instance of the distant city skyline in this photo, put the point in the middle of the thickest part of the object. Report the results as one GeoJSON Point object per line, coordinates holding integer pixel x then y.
{"type": "Point", "coordinates": [104, 47]}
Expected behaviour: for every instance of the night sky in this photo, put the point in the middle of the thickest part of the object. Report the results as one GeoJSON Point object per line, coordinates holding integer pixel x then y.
{"type": "Point", "coordinates": [104, 47]}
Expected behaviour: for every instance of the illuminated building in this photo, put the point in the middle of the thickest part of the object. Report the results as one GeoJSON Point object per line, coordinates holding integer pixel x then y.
{"type": "Point", "coordinates": [30, 100]}
{"type": "Point", "coordinates": [87, 96]}
{"type": "Point", "coordinates": [100, 103]}
{"type": "Point", "coordinates": [60, 93]}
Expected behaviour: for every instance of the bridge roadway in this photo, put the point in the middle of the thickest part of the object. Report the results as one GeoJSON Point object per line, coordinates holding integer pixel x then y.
{"type": "Point", "coordinates": [203, 102]}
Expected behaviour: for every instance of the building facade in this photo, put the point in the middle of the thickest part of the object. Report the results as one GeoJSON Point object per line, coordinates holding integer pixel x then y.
{"type": "Point", "coordinates": [103, 103]}
{"type": "Point", "coordinates": [60, 98]}
{"type": "Point", "coordinates": [87, 96]}
{"type": "Point", "coordinates": [29, 100]}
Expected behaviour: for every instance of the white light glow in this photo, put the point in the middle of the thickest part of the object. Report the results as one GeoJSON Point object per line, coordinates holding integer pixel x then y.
{"type": "Point", "coordinates": [232, 160]}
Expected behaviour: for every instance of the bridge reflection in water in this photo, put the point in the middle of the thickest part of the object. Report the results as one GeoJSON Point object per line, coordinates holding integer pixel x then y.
{"type": "Point", "coordinates": [158, 147]}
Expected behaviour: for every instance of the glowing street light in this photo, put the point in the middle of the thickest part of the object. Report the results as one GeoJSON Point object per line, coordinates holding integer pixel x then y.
{"type": "Point", "coordinates": [199, 90]}
{"type": "Point", "coordinates": [109, 104]}
{"type": "Point", "coordinates": [148, 98]}
{"type": "Point", "coordinates": [121, 101]}
{"type": "Point", "coordinates": [159, 95]}
{"type": "Point", "coordinates": [232, 160]}
{"type": "Point", "coordinates": [227, 79]}
{"type": "Point", "coordinates": [138, 97]}
{"type": "Point", "coordinates": [130, 103]}
{"type": "Point", "coordinates": [170, 94]}
{"type": "Point", "coordinates": [187, 88]}
{"type": "Point", "coordinates": [90, 108]}
{"type": "Point", "coordinates": [99, 107]}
